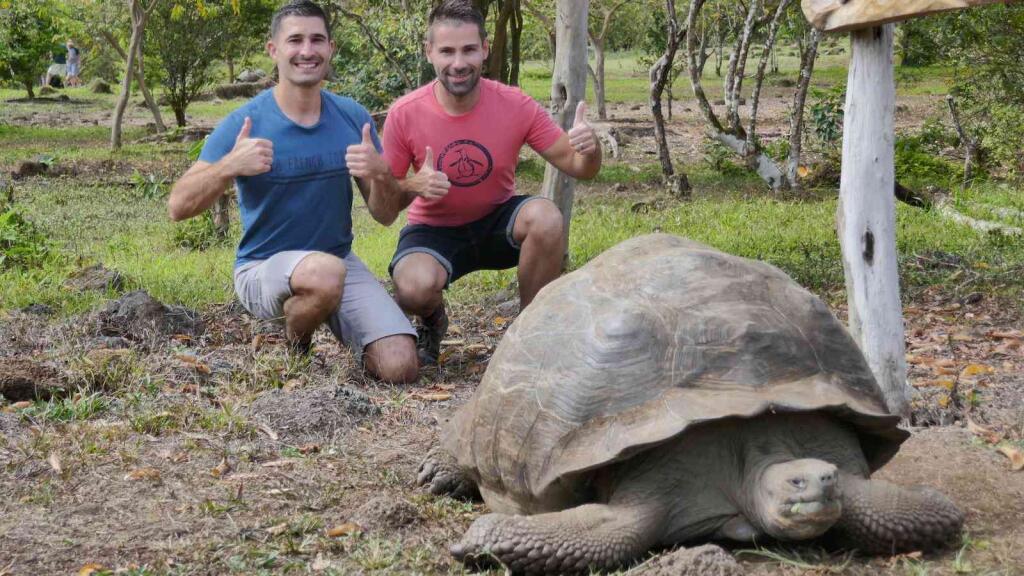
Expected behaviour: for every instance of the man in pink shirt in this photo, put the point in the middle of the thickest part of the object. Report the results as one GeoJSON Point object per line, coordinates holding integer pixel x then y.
{"type": "Point", "coordinates": [461, 135]}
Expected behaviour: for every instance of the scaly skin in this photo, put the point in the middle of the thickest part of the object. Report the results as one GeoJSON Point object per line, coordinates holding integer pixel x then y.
{"type": "Point", "coordinates": [585, 538]}
{"type": "Point", "coordinates": [883, 518]}
{"type": "Point", "coordinates": [443, 476]}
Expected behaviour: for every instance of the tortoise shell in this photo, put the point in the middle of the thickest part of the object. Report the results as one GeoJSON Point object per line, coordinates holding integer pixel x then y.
{"type": "Point", "coordinates": [654, 336]}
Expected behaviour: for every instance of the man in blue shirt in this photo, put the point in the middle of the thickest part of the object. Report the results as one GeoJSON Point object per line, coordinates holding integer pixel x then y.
{"type": "Point", "coordinates": [291, 151]}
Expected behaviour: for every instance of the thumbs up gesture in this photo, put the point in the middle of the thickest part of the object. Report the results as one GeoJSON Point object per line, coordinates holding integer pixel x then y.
{"type": "Point", "coordinates": [429, 182]}
{"type": "Point", "coordinates": [250, 156]}
{"type": "Point", "coordinates": [363, 160]}
{"type": "Point", "coordinates": [581, 135]}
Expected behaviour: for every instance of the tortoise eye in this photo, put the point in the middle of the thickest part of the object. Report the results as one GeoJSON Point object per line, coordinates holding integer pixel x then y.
{"type": "Point", "coordinates": [798, 483]}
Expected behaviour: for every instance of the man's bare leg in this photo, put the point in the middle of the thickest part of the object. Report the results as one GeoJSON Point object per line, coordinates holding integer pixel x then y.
{"type": "Point", "coordinates": [392, 359]}
{"type": "Point", "coordinates": [317, 283]}
{"type": "Point", "coordinates": [419, 281]}
{"type": "Point", "coordinates": [538, 231]}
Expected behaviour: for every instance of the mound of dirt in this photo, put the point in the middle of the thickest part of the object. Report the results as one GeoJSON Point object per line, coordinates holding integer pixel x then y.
{"type": "Point", "coordinates": [308, 413]}
{"type": "Point", "coordinates": [706, 560]}
{"type": "Point", "coordinates": [26, 379]}
{"type": "Point", "coordinates": [94, 278]}
{"type": "Point", "coordinates": [386, 513]}
{"type": "Point", "coordinates": [137, 315]}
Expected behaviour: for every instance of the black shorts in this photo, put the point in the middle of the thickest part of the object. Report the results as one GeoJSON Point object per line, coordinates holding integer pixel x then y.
{"type": "Point", "coordinates": [486, 244]}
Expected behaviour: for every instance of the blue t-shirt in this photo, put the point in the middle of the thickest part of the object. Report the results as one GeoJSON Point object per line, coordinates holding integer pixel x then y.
{"type": "Point", "coordinates": [305, 201]}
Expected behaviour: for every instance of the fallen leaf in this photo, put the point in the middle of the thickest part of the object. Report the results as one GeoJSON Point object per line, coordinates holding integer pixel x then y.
{"type": "Point", "coordinates": [278, 530]}
{"type": "Point", "coordinates": [89, 569]}
{"type": "Point", "coordinates": [453, 342]}
{"type": "Point", "coordinates": [944, 401]}
{"type": "Point", "coordinates": [962, 337]}
{"type": "Point", "coordinates": [943, 362]}
{"type": "Point", "coordinates": [975, 369]}
{"type": "Point", "coordinates": [283, 463]}
{"type": "Point", "coordinates": [343, 530]}
{"type": "Point", "coordinates": [432, 396]}
{"type": "Point", "coordinates": [22, 405]}
{"type": "Point", "coordinates": [1006, 334]}
{"type": "Point", "coordinates": [802, 171]}
{"type": "Point", "coordinates": [143, 474]}
{"type": "Point", "coordinates": [308, 448]}
{"type": "Point", "coordinates": [291, 384]}
{"type": "Point", "coordinates": [500, 321]}
{"type": "Point", "coordinates": [1015, 455]}
{"type": "Point", "coordinates": [984, 433]}
{"type": "Point", "coordinates": [221, 469]}
{"type": "Point", "coordinates": [54, 461]}
{"type": "Point", "coordinates": [257, 342]}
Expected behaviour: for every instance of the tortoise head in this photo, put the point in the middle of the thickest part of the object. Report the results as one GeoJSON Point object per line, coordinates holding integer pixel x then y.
{"type": "Point", "coordinates": [798, 499]}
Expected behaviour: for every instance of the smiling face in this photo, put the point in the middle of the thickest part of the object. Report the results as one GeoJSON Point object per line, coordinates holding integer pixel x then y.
{"type": "Point", "coordinates": [302, 50]}
{"type": "Point", "coordinates": [457, 51]}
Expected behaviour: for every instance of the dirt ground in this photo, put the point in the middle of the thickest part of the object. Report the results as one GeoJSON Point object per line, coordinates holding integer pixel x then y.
{"type": "Point", "coordinates": [216, 451]}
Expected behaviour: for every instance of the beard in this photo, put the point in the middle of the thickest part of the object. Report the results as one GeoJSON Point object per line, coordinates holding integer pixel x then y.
{"type": "Point", "coordinates": [463, 88]}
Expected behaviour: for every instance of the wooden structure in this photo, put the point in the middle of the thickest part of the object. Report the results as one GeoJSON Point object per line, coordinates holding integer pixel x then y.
{"type": "Point", "coordinates": [568, 88]}
{"type": "Point", "coordinates": [866, 216]}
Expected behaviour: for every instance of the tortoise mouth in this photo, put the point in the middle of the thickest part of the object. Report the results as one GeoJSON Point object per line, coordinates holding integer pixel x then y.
{"type": "Point", "coordinates": [797, 508]}
{"type": "Point", "coordinates": [799, 519]}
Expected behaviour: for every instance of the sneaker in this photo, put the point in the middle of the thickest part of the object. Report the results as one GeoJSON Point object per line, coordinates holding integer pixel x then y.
{"type": "Point", "coordinates": [429, 334]}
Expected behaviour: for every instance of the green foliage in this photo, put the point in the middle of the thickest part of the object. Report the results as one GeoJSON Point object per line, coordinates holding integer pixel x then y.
{"type": "Point", "coordinates": [719, 157]}
{"type": "Point", "coordinates": [198, 233]}
{"type": "Point", "coordinates": [150, 186]}
{"type": "Point", "coordinates": [375, 73]}
{"type": "Point", "coordinates": [827, 115]}
{"type": "Point", "coordinates": [78, 408]}
{"type": "Point", "coordinates": [29, 31]}
{"type": "Point", "coordinates": [917, 42]}
{"type": "Point", "coordinates": [187, 38]}
{"type": "Point", "coordinates": [22, 244]}
{"type": "Point", "coordinates": [917, 165]}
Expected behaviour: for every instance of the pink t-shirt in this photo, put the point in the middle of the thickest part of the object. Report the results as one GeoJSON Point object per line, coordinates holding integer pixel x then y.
{"type": "Point", "coordinates": [478, 150]}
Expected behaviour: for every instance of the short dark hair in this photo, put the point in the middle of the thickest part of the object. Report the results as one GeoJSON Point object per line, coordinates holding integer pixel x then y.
{"type": "Point", "coordinates": [298, 8]}
{"type": "Point", "coordinates": [457, 11]}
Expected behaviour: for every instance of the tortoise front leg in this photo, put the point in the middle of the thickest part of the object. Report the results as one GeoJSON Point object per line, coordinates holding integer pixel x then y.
{"type": "Point", "coordinates": [443, 476]}
{"type": "Point", "coordinates": [585, 538]}
{"type": "Point", "coordinates": [883, 518]}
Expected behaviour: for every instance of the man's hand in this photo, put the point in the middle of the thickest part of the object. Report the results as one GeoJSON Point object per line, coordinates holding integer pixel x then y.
{"type": "Point", "coordinates": [250, 156]}
{"type": "Point", "coordinates": [429, 183]}
{"type": "Point", "coordinates": [581, 135]}
{"type": "Point", "coordinates": [363, 160]}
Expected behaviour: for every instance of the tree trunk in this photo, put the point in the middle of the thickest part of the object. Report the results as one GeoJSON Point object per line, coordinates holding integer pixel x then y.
{"type": "Point", "coordinates": [796, 121]}
{"type": "Point", "coordinates": [737, 67]}
{"type": "Point", "coordinates": [777, 179]}
{"type": "Point", "coordinates": [138, 24]}
{"type": "Point", "coordinates": [139, 73]}
{"type": "Point", "coordinates": [179, 115]}
{"type": "Point", "coordinates": [28, 88]}
{"type": "Point", "coordinates": [678, 184]}
{"type": "Point", "coordinates": [602, 111]}
{"type": "Point", "coordinates": [867, 214]}
{"type": "Point", "coordinates": [568, 88]}
{"type": "Point", "coordinates": [497, 65]}
{"type": "Point", "coordinates": [517, 45]}
{"type": "Point", "coordinates": [970, 144]}
{"type": "Point", "coordinates": [222, 215]}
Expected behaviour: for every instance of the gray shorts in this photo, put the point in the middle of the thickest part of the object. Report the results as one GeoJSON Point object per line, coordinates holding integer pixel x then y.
{"type": "Point", "coordinates": [367, 312]}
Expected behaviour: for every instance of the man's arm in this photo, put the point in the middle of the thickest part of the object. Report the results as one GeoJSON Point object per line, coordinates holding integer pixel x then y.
{"type": "Point", "coordinates": [204, 182]}
{"type": "Point", "coordinates": [385, 195]}
{"type": "Point", "coordinates": [577, 153]}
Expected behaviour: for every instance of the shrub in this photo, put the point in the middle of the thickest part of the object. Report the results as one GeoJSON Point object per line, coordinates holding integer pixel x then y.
{"type": "Point", "coordinates": [22, 245]}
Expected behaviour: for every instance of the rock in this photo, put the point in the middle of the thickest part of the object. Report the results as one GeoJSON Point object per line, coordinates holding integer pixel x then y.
{"type": "Point", "coordinates": [385, 513]}
{"type": "Point", "coordinates": [251, 75]}
{"type": "Point", "coordinates": [138, 314]}
{"type": "Point", "coordinates": [28, 379]}
{"type": "Point", "coordinates": [95, 278]}
{"type": "Point", "coordinates": [706, 560]}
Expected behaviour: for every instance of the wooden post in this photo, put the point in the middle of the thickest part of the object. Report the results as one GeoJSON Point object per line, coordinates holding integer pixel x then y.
{"type": "Point", "coordinates": [867, 213]}
{"type": "Point", "coordinates": [568, 87]}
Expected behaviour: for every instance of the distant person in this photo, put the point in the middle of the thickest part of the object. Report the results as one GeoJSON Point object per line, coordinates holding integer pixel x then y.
{"type": "Point", "coordinates": [292, 151]}
{"type": "Point", "coordinates": [56, 74]}
{"type": "Point", "coordinates": [74, 65]}
{"type": "Point", "coordinates": [462, 134]}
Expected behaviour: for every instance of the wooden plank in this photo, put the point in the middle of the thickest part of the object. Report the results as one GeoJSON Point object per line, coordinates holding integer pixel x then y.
{"type": "Point", "coordinates": [838, 15]}
{"type": "Point", "coordinates": [568, 87]}
{"type": "Point", "coordinates": [866, 215]}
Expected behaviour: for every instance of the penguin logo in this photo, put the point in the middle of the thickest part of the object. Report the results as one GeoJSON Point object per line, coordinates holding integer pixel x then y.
{"type": "Point", "coordinates": [466, 162]}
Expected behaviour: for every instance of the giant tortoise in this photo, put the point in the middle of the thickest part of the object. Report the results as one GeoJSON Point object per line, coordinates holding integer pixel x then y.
{"type": "Point", "coordinates": [667, 392]}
